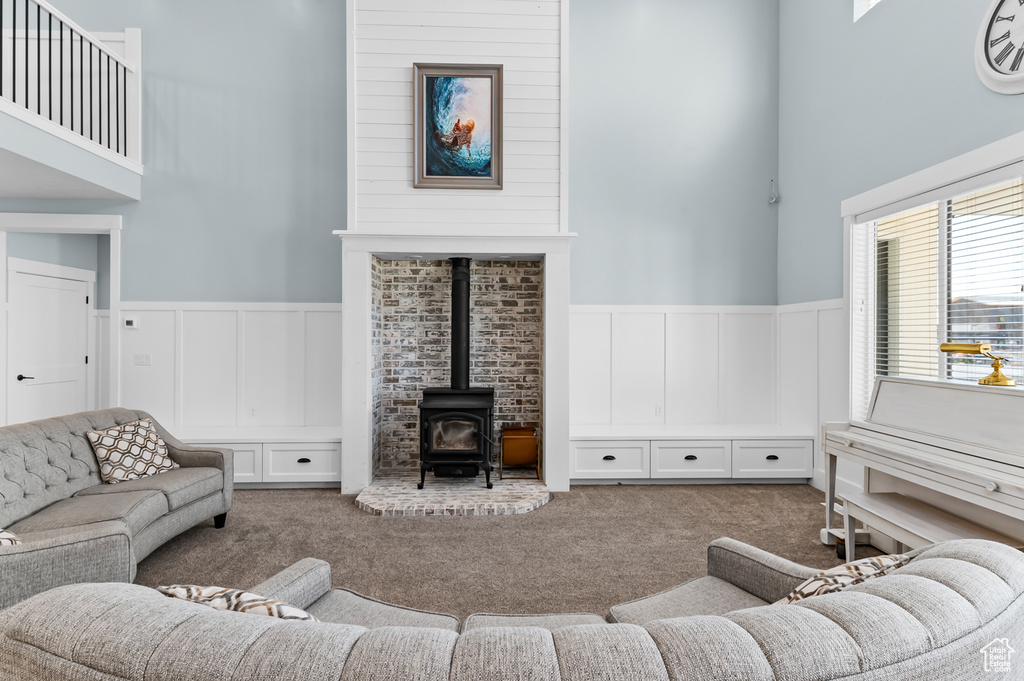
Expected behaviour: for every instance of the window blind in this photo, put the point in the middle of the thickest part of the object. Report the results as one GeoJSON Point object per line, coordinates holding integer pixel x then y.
{"type": "Point", "coordinates": [985, 275]}
{"type": "Point", "coordinates": [950, 270]}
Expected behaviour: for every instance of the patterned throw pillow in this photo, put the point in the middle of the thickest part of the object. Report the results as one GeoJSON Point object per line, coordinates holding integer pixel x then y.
{"type": "Point", "coordinates": [838, 578]}
{"type": "Point", "coordinates": [130, 451]}
{"type": "Point", "coordinates": [235, 599]}
{"type": "Point", "coordinates": [8, 538]}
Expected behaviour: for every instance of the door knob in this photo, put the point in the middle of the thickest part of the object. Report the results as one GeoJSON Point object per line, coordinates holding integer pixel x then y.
{"type": "Point", "coordinates": [22, 377]}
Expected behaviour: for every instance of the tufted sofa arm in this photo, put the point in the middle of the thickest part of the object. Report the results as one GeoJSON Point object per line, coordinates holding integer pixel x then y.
{"type": "Point", "coordinates": [100, 552]}
{"type": "Point", "coordinates": [757, 572]}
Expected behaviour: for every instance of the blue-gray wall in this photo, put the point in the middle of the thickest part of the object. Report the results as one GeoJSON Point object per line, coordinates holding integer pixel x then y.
{"type": "Point", "coordinates": [867, 103]}
{"type": "Point", "coordinates": [69, 250]}
{"type": "Point", "coordinates": [244, 149]}
{"type": "Point", "coordinates": [673, 136]}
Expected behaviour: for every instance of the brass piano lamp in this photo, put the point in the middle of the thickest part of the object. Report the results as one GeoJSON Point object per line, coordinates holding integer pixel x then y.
{"type": "Point", "coordinates": [996, 377]}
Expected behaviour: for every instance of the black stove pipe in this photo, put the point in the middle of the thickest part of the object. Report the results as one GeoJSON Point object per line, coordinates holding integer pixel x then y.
{"type": "Point", "coordinates": [460, 323]}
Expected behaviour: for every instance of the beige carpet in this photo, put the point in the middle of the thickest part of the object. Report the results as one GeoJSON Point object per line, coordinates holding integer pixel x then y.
{"type": "Point", "coordinates": [586, 550]}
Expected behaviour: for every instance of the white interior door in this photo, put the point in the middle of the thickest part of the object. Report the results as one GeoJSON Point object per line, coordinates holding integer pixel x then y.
{"type": "Point", "coordinates": [48, 343]}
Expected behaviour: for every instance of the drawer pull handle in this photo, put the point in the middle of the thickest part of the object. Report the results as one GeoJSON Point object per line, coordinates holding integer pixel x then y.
{"type": "Point", "coordinates": [772, 457]}
{"type": "Point", "coordinates": [304, 460]}
{"type": "Point", "coordinates": [691, 457]}
{"type": "Point", "coordinates": [609, 458]}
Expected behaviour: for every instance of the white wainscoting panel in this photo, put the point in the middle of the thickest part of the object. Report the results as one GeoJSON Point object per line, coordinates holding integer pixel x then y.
{"type": "Point", "coordinates": [203, 366]}
{"type": "Point", "coordinates": [209, 370]}
{"type": "Point", "coordinates": [691, 368]}
{"type": "Point", "coordinates": [815, 376]}
{"type": "Point", "coordinates": [323, 369]}
{"type": "Point", "coordinates": [798, 354]}
{"type": "Point", "coordinates": [726, 365]}
{"type": "Point", "coordinates": [834, 391]}
{"type": "Point", "coordinates": [638, 368]}
{"type": "Point", "coordinates": [150, 387]}
{"type": "Point", "coordinates": [748, 367]}
{"type": "Point", "coordinates": [274, 369]}
{"type": "Point", "coordinates": [590, 362]}
{"type": "Point", "coordinates": [102, 358]}
{"type": "Point", "coordinates": [389, 36]}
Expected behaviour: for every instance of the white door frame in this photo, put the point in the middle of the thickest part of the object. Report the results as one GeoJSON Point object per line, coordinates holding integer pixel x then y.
{"type": "Point", "coordinates": [61, 223]}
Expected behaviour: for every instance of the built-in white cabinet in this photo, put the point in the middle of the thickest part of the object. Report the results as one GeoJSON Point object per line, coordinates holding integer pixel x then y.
{"type": "Point", "coordinates": [623, 459]}
{"type": "Point", "coordinates": [248, 461]}
{"type": "Point", "coordinates": [691, 459]}
{"type": "Point", "coordinates": [284, 462]}
{"type": "Point", "coordinates": [302, 462]}
{"type": "Point", "coordinates": [686, 459]}
{"type": "Point", "coordinates": [772, 459]}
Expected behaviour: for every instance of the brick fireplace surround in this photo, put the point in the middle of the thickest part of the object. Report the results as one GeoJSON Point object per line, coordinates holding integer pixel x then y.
{"type": "Point", "coordinates": [410, 321]}
{"type": "Point", "coordinates": [395, 341]}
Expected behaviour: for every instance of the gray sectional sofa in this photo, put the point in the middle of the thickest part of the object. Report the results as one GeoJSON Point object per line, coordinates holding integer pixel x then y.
{"type": "Point", "coordinates": [76, 529]}
{"type": "Point", "coordinates": [928, 620]}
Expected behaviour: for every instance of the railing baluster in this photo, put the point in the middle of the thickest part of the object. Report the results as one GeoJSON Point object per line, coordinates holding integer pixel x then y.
{"type": "Point", "coordinates": [14, 51]}
{"type": "Point", "coordinates": [27, 104]}
{"type": "Point", "coordinates": [92, 112]}
{"type": "Point", "coordinates": [49, 64]}
{"type": "Point", "coordinates": [39, 61]}
{"type": "Point", "coordinates": [124, 111]}
{"type": "Point", "coordinates": [1, 48]}
{"type": "Point", "coordinates": [61, 48]}
{"type": "Point", "coordinates": [109, 145]}
{"type": "Point", "coordinates": [81, 86]}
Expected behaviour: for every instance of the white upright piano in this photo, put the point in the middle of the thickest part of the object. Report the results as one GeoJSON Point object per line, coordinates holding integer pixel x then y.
{"type": "Point", "coordinates": [941, 460]}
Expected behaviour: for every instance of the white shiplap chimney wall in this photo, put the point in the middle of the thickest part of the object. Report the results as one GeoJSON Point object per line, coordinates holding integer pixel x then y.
{"type": "Point", "coordinates": [387, 37]}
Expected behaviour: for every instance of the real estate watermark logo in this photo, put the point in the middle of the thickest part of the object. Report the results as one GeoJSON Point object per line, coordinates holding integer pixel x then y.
{"type": "Point", "coordinates": [997, 656]}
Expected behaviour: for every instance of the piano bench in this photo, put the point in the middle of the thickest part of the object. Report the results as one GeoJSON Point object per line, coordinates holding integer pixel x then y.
{"type": "Point", "coordinates": [911, 522]}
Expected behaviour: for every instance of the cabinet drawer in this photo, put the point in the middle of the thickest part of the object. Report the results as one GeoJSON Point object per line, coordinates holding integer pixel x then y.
{"type": "Point", "coordinates": [772, 458]}
{"type": "Point", "coordinates": [598, 459]}
{"type": "Point", "coordinates": [691, 459]}
{"type": "Point", "coordinates": [302, 462]}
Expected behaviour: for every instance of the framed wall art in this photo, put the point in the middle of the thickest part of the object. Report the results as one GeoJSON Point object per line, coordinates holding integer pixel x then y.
{"type": "Point", "coordinates": [457, 126]}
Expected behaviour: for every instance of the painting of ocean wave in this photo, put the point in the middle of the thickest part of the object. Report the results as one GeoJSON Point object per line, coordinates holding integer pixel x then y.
{"type": "Point", "coordinates": [457, 126]}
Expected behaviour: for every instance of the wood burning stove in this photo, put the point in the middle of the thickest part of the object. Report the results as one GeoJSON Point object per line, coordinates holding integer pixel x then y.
{"type": "Point", "coordinates": [457, 423]}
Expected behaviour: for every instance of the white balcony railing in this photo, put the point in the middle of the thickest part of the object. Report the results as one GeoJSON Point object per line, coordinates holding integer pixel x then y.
{"type": "Point", "coordinates": [52, 68]}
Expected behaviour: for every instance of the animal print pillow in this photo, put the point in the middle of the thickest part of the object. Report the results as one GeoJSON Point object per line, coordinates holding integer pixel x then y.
{"type": "Point", "coordinates": [235, 599]}
{"type": "Point", "coordinates": [130, 451]}
{"type": "Point", "coordinates": [8, 538]}
{"type": "Point", "coordinates": [838, 578]}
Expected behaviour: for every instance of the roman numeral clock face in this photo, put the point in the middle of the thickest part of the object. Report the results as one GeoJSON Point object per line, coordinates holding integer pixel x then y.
{"type": "Point", "coordinates": [999, 56]}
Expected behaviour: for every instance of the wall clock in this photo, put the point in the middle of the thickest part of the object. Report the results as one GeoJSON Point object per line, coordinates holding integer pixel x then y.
{"type": "Point", "coordinates": [999, 55]}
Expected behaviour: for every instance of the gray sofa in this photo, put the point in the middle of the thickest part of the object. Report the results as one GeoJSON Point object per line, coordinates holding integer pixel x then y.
{"type": "Point", "coordinates": [74, 528]}
{"type": "Point", "coordinates": [928, 620]}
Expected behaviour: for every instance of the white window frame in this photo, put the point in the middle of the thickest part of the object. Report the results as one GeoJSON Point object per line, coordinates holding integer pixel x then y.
{"type": "Point", "coordinates": [986, 166]}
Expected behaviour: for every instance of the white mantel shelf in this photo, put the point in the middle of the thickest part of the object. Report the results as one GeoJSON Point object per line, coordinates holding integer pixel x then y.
{"type": "Point", "coordinates": [401, 245]}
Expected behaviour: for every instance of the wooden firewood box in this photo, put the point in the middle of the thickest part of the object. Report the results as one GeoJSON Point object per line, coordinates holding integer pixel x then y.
{"type": "Point", "coordinates": [518, 449]}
